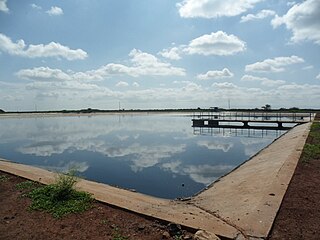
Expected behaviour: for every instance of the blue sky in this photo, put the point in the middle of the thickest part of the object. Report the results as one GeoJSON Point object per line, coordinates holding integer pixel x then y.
{"type": "Point", "coordinates": [159, 54]}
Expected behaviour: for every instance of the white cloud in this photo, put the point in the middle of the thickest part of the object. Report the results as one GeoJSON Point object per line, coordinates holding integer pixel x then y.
{"type": "Point", "coordinates": [206, 174]}
{"type": "Point", "coordinates": [122, 84]}
{"type": "Point", "coordinates": [54, 88]}
{"type": "Point", "coordinates": [143, 64]}
{"type": "Point", "coordinates": [217, 43]}
{"type": "Point", "coordinates": [147, 64]}
{"type": "Point", "coordinates": [135, 84]}
{"type": "Point", "coordinates": [3, 6]}
{"type": "Point", "coordinates": [224, 85]}
{"type": "Point", "coordinates": [303, 20]}
{"type": "Point", "coordinates": [171, 53]}
{"type": "Point", "coordinates": [318, 76]}
{"type": "Point", "coordinates": [70, 94]}
{"type": "Point", "coordinates": [308, 67]}
{"type": "Point", "coordinates": [43, 73]}
{"type": "Point", "coordinates": [225, 73]}
{"type": "Point", "coordinates": [52, 49]}
{"type": "Point", "coordinates": [260, 15]}
{"type": "Point", "coordinates": [55, 11]}
{"type": "Point", "coordinates": [277, 64]}
{"type": "Point", "coordinates": [291, 3]}
{"type": "Point", "coordinates": [35, 6]}
{"type": "Point", "coordinates": [214, 8]}
{"type": "Point", "coordinates": [215, 145]}
{"type": "Point", "coordinates": [264, 81]}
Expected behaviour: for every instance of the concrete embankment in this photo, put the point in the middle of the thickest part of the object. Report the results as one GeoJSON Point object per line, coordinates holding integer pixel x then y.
{"type": "Point", "coordinates": [241, 204]}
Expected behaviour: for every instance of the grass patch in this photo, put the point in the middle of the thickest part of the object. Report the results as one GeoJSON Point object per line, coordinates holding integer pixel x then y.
{"type": "Point", "coordinates": [315, 126]}
{"type": "Point", "coordinates": [117, 235]}
{"type": "Point", "coordinates": [311, 149]}
{"type": "Point", "coordinates": [60, 198]}
{"type": "Point", "coordinates": [3, 178]}
{"type": "Point", "coordinates": [27, 185]}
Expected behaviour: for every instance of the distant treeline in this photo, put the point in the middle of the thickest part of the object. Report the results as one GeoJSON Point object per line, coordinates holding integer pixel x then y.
{"type": "Point", "coordinates": [215, 109]}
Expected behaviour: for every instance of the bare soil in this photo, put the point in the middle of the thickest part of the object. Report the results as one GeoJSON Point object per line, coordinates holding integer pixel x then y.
{"type": "Point", "coordinates": [100, 222]}
{"type": "Point", "coordinates": [299, 214]}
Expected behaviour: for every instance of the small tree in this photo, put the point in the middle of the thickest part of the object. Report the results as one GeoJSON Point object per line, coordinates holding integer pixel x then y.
{"type": "Point", "coordinates": [266, 107]}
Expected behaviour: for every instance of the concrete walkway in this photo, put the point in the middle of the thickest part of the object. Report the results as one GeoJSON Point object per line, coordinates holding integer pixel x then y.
{"type": "Point", "coordinates": [249, 197]}
{"type": "Point", "coordinates": [241, 205]}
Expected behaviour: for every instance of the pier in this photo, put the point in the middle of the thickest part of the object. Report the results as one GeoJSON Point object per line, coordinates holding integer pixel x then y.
{"type": "Point", "coordinates": [250, 120]}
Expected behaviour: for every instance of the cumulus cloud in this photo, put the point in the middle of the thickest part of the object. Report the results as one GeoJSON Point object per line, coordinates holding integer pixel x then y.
{"type": "Point", "coordinates": [171, 53]}
{"type": "Point", "coordinates": [277, 64]}
{"type": "Point", "coordinates": [43, 73]}
{"type": "Point", "coordinates": [215, 145]}
{"type": "Point", "coordinates": [3, 6]}
{"type": "Point", "coordinates": [264, 81]}
{"type": "Point", "coordinates": [56, 88]}
{"type": "Point", "coordinates": [122, 84]}
{"type": "Point", "coordinates": [55, 11]}
{"type": "Point", "coordinates": [224, 85]}
{"type": "Point", "coordinates": [260, 15]}
{"type": "Point", "coordinates": [148, 64]}
{"type": "Point", "coordinates": [318, 77]}
{"type": "Point", "coordinates": [52, 49]}
{"type": "Point", "coordinates": [142, 64]}
{"type": "Point", "coordinates": [225, 73]}
{"type": "Point", "coordinates": [217, 43]}
{"type": "Point", "coordinates": [35, 6]}
{"type": "Point", "coordinates": [206, 174]}
{"type": "Point", "coordinates": [303, 20]}
{"type": "Point", "coordinates": [214, 8]}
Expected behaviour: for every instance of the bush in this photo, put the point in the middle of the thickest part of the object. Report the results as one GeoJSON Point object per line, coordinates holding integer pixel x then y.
{"type": "Point", "coordinates": [60, 198]}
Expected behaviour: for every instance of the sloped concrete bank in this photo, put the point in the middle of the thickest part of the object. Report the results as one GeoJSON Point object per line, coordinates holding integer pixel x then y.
{"type": "Point", "coordinates": [243, 204]}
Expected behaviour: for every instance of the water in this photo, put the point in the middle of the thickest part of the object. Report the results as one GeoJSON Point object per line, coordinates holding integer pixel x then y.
{"type": "Point", "coordinates": [159, 155]}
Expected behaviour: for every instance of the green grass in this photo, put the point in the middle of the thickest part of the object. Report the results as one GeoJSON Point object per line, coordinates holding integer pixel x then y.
{"type": "Point", "coordinates": [3, 178]}
{"type": "Point", "coordinates": [27, 185]}
{"type": "Point", "coordinates": [311, 150]}
{"type": "Point", "coordinates": [315, 126]}
{"type": "Point", "coordinates": [177, 237]}
{"type": "Point", "coordinates": [60, 198]}
{"type": "Point", "coordinates": [117, 235]}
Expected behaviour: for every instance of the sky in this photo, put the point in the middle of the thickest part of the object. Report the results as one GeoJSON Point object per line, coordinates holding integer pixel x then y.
{"type": "Point", "coordinates": [144, 54]}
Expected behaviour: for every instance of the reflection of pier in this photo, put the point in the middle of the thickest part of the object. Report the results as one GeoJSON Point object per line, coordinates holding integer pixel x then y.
{"type": "Point", "coordinates": [236, 132]}
{"type": "Point", "coordinates": [249, 120]}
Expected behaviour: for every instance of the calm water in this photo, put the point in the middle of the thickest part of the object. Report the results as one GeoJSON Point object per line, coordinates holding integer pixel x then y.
{"type": "Point", "coordinates": [160, 155]}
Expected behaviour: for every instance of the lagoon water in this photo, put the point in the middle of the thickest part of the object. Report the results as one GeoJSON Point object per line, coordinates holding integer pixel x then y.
{"type": "Point", "coordinates": [156, 154]}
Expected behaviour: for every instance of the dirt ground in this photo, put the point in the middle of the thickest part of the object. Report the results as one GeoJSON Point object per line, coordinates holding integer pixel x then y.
{"type": "Point", "coordinates": [100, 222]}
{"type": "Point", "coordinates": [299, 214]}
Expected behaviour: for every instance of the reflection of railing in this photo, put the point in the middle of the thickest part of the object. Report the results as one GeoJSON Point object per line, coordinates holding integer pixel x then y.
{"type": "Point", "coordinates": [237, 132]}
{"type": "Point", "coordinates": [250, 120]}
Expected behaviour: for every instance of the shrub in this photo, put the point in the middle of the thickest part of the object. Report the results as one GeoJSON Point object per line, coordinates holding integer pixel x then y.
{"type": "Point", "coordinates": [60, 198]}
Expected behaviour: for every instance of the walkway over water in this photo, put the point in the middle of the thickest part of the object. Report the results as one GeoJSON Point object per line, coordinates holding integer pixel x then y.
{"type": "Point", "coordinates": [250, 120]}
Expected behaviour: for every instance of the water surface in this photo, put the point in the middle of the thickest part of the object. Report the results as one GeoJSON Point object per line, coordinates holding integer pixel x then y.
{"type": "Point", "coordinates": [156, 154]}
